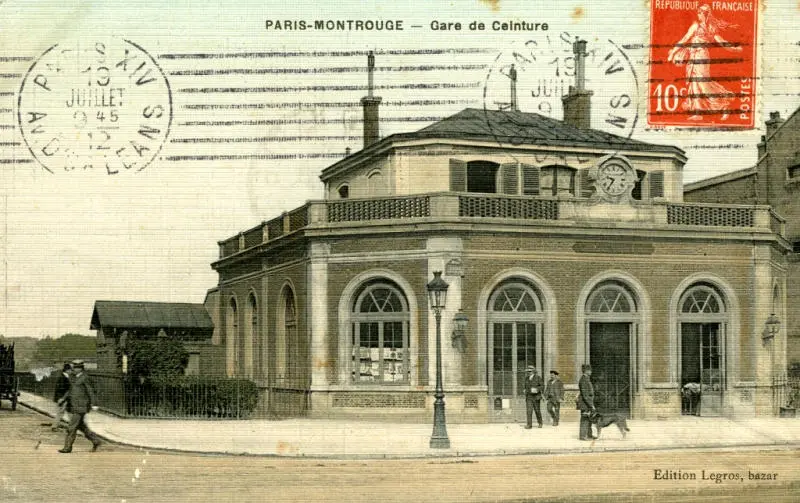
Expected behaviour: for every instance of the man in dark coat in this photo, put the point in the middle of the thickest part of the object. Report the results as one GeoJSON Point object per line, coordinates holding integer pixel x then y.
{"type": "Point", "coordinates": [533, 396]}
{"type": "Point", "coordinates": [60, 395]}
{"type": "Point", "coordinates": [554, 394]}
{"type": "Point", "coordinates": [586, 402]}
{"type": "Point", "coordinates": [81, 401]}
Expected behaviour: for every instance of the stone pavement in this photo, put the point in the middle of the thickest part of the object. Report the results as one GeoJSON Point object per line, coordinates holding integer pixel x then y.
{"type": "Point", "coordinates": [341, 439]}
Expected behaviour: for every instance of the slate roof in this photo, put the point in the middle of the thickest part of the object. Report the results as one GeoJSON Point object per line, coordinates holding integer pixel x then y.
{"type": "Point", "coordinates": [109, 313]}
{"type": "Point", "coordinates": [524, 128]}
{"type": "Point", "coordinates": [516, 128]}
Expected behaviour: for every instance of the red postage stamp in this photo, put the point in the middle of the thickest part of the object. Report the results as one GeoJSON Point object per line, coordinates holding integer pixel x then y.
{"type": "Point", "coordinates": [702, 63]}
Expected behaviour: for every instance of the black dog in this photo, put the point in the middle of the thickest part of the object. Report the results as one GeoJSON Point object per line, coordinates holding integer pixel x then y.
{"type": "Point", "coordinates": [602, 420]}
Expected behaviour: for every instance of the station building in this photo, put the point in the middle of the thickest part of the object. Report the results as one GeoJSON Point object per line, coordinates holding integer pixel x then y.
{"type": "Point", "coordinates": [773, 181]}
{"type": "Point", "coordinates": [573, 246]}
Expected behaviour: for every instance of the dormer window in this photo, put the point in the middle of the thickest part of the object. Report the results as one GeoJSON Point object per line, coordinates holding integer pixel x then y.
{"type": "Point", "coordinates": [482, 176]}
{"type": "Point", "coordinates": [555, 180]}
{"type": "Point", "coordinates": [344, 191]}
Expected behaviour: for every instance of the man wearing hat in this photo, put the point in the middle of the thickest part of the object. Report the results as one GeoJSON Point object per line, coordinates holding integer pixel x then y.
{"type": "Point", "coordinates": [81, 401]}
{"type": "Point", "coordinates": [586, 402]}
{"type": "Point", "coordinates": [554, 394]}
{"type": "Point", "coordinates": [60, 394]}
{"type": "Point", "coordinates": [533, 395]}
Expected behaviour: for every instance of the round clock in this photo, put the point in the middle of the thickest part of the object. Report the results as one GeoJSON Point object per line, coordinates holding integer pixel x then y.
{"type": "Point", "coordinates": [615, 179]}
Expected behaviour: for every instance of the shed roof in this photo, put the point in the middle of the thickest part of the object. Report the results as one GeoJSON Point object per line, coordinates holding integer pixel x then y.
{"type": "Point", "coordinates": [110, 313]}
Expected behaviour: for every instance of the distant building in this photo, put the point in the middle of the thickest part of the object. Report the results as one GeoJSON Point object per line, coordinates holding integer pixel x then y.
{"type": "Point", "coordinates": [119, 322]}
{"type": "Point", "coordinates": [562, 245]}
{"type": "Point", "coordinates": [773, 181]}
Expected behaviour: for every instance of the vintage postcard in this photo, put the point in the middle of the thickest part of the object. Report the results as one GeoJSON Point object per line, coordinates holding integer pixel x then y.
{"type": "Point", "coordinates": [462, 251]}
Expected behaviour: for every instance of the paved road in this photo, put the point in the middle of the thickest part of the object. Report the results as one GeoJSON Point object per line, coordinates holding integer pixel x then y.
{"type": "Point", "coordinates": [31, 470]}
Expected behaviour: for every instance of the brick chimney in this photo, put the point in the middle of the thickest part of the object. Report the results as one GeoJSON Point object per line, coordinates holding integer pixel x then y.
{"type": "Point", "coordinates": [578, 102]}
{"type": "Point", "coordinates": [370, 104]}
{"type": "Point", "coordinates": [773, 123]}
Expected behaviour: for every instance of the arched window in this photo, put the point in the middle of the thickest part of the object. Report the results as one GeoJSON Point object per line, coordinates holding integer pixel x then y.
{"type": "Point", "coordinates": [703, 321]}
{"type": "Point", "coordinates": [232, 336]}
{"type": "Point", "coordinates": [516, 319]}
{"type": "Point", "coordinates": [286, 336]}
{"type": "Point", "coordinates": [344, 191]}
{"type": "Point", "coordinates": [776, 300]}
{"type": "Point", "coordinates": [555, 180]}
{"type": "Point", "coordinates": [376, 184]}
{"type": "Point", "coordinates": [379, 322]}
{"type": "Point", "coordinates": [252, 355]}
{"type": "Point", "coordinates": [610, 298]}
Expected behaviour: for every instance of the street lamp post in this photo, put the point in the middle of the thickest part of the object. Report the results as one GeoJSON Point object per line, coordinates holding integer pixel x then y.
{"type": "Point", "coordinates": [437, 294]}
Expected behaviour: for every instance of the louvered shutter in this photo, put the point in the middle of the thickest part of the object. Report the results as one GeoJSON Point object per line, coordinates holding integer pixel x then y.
{"type": "Point", "coordinates": [656, 184]}
{"type": "Point", "coordinates": [585, 186]}
{"type": "Point", "coordinates": [530, 180]}
{"type": "Point", "coordinates": [458, 176]}
{"type": "Point", "coordinates": [510, 178]}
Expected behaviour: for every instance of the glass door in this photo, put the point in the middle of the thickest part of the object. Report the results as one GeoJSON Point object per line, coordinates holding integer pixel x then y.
{"type": "Point", "coordinates": [513, 349]}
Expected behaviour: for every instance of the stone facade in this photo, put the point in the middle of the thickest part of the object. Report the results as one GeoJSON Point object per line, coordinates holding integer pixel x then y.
{"type": "Point", "coordinates": [561, 245]}
{"type": "Point", "coordinates": [306, 367]}
{"type": "Point", "coordinates": [773, 181]}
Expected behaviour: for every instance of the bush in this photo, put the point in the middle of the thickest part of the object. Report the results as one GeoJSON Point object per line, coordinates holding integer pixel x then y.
{"type": "Point", "coordinates": [193, 396]}
{"type": "Point", "coordinates": [155, 358]}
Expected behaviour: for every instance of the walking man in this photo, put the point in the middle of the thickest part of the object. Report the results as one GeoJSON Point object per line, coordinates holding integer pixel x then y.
{"type": "Point", "coordinates": [60, 395]}
{"type": "Point", "coordinates": [554, 394]}
{"type": "Point", "coordinates": [533, 396]}
{"type": "Point", "coordinates": [81, 401]}
{"type": "Point", "coordinates": [586, 402]}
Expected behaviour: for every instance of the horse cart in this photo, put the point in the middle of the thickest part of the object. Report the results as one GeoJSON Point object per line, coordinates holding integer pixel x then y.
{"type": "Point", "coordinates": [9, 382]}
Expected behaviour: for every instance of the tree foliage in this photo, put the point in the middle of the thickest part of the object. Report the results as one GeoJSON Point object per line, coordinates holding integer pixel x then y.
{"type": "Point", "coordinates": [65, 348]}
{"type": "Point", "coordinates": [162, 357]}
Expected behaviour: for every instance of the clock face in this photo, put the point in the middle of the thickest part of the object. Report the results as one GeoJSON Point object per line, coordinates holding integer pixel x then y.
{"type": "Point", "coordinates": [615, 179]}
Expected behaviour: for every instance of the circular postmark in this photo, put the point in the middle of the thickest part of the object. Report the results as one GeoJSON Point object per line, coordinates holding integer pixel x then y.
{"type": "Point", "coordinates": [102, 105]}
{"type": "Point", "coordinates": [541, 71]}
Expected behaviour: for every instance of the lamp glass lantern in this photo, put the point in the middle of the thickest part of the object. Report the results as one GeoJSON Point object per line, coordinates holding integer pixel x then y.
{"type": "Point", "coordinates": [437, 291]}
{"type": "Point", "coordinates": [460, 322]}
{"type": "Point", "coordinates": [772, 326]}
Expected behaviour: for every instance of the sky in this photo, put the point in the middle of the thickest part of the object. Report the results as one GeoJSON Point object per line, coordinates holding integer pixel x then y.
{"type": "Point", "coordinates": [257, 113]}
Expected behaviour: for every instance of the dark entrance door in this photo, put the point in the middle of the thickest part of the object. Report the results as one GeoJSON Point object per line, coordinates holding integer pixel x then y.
{"type": "Point", "coordinates": [610, 358]}
{"type": "Point", "coordinates": [702, 376]}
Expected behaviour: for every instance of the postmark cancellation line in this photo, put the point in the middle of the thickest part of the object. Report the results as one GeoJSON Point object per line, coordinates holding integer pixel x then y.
{"type": "Point", "coordinates": [333, 69]}
{"type": "Point", "coordinates": [294, 89]}
{"type": "Point", "coordinates": [290, 54]}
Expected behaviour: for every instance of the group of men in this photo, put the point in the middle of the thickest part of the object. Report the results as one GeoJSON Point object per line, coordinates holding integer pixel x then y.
{"type": "Point", "coordinates": [553, 394]}
{"type": "Point", "coordinates": [74, 394]}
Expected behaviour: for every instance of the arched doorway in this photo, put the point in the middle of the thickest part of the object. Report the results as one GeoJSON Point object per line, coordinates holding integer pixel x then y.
{"type": "Point", "coordinates": [515, 317]}
{"type": "Point", "coordinates": [703, 324]}
{"type": "Point", "coordinates": [613, 319]}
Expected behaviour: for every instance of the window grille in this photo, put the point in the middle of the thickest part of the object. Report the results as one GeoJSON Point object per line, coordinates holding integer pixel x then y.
{"type": "Point", "coordinates": [709, 215]}
{"type": "Point", "coordinates": [482, 206]}
{"type": "Point", "coordinates": [356, 210]}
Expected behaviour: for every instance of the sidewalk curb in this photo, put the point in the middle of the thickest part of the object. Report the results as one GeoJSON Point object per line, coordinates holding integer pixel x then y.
{"type": "Point", "coordinates": [440, 455]}
{"type": "Point", "coordinates": [51, 415]}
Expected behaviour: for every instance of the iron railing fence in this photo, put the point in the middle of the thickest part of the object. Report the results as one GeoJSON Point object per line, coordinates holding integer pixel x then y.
{"type": "Point", "coordinates": [185, 397]}
{"type": "Point", "coordinates": [786, 394]}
